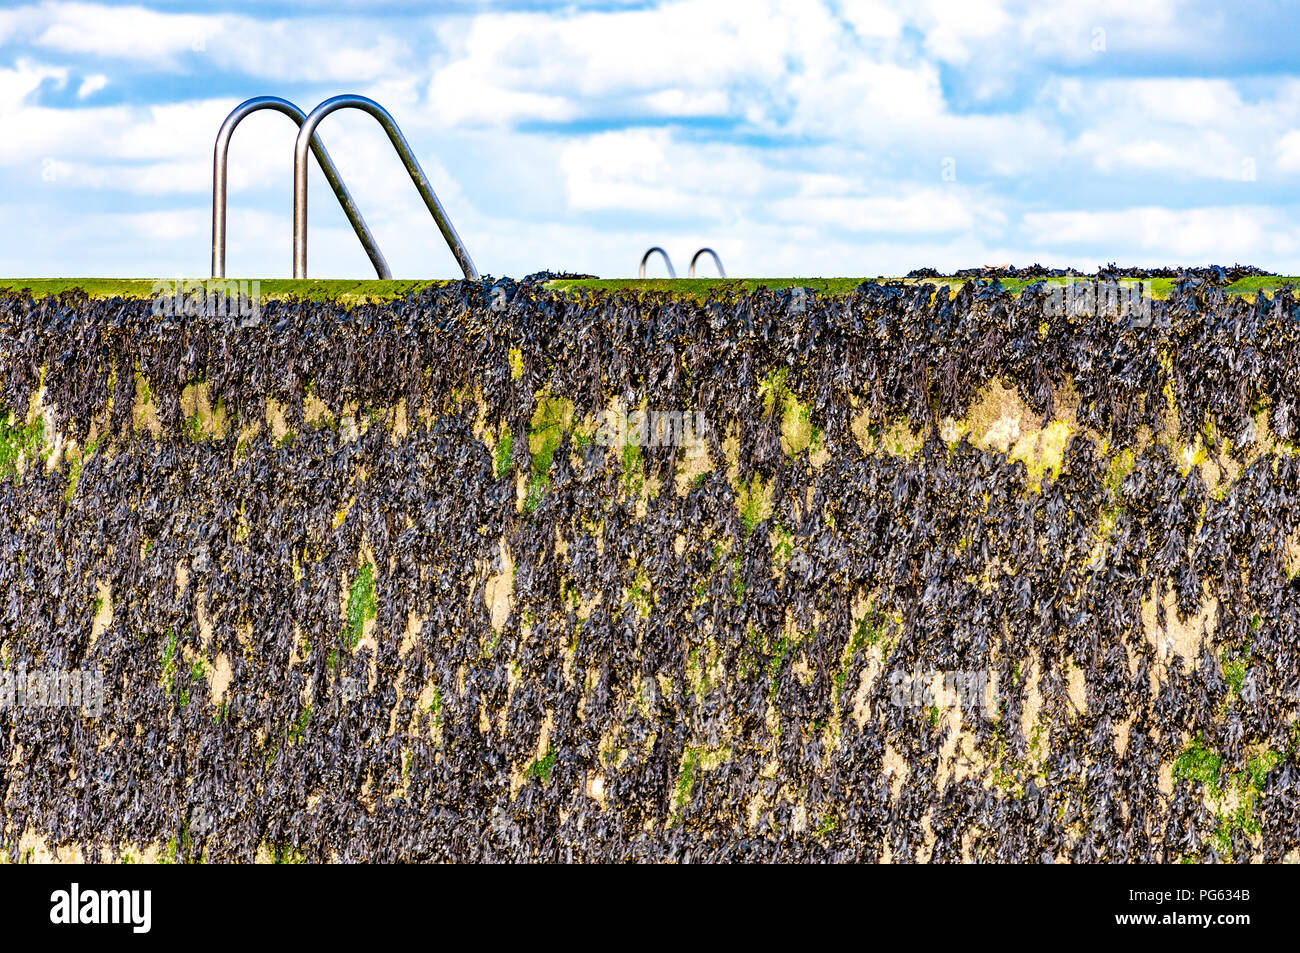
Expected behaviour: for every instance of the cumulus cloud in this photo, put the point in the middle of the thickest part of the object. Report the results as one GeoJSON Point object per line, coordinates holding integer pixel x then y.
{"type": "Point", "coordinates": [796, 136]}
{"type": "Point", "coordinates": [1218, 234]}
{"type": "Point", "coordinates": [91, 85]}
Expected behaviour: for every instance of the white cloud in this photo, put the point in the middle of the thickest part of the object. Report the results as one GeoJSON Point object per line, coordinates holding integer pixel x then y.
{"type": "Point", "coordinates": [914, 212]}
{"type": "Point", "coordinates": [24, 78]}
{"type": "Point", "coordinates": [956, 32]}
{"type": "Point", "coordinates": [1288, 152]}
{"type": "Point", "coordinates": [792, 135]}
{"type": "Point", "coordinates": [1190, 128]}
{"type": "Point", "coordinates": [162, 178]}
{"type": "Point", "coordinates": [303, 49]}
{"type": "Point", "coordinates": [135, 32]}
{"type": "Point", "coordinates": [650, 171]}
{"type": "Point", "coordinates": [1220, 234]}
{"type": "Point", "coordinates": [509, 67]}
{"type": "Point", "coordinates": [91, 85]}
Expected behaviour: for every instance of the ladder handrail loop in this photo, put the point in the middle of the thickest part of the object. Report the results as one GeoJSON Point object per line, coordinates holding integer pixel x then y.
{"type": "Point", "coordinates": [408, 158]}
{"type": "Point", "coordinates": [667, 261]}
{"type": "Point", "coordinates": [220, 153]}
{"type": "Point", "coordinates": [716, 260]}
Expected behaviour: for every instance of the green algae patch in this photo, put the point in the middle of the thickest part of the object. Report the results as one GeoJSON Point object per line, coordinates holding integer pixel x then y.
{"type": "Point", "coordinates": [898, 439]}
{"type": "Point", "coordinates": [77, 460]}
{"type": "Point", "coordinates": [639, 594]}
{"type": "Point", "coordinates": [754, 501]}
{"type": "Point", "coordinates": [551, 419]}
{"type": "Point", "coordinates": [695, 760]}
{"type": "Point", "coordinates": [798, 433]}
{"type": "Point", "coordinates": [315, 412]}
{"type": "Point", "coordinates": [686, 777]}
{"type": "Point", "coordinates": [505, 445]}
{"type": "Point", "coordinates": [361, 604]}
{"type": "Point", "coordinates": [1235, 796]}
{"type": "Point", "coordinates": [542, 767]}
{"type": "Point", "coordinates": [633, 477]}
{"type": "Point", "coordinates": [782, 543]}
{"type": "Point", "coordinates": [1120, 466]}
{"type": "Point", "coordinates": [18, 440]}
{"type": "Point", "coordinates": [1199, 765]}
{"type": "Point", "coordinates": [201, 419]}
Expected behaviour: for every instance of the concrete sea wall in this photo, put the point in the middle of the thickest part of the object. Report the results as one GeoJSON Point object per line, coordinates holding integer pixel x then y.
{"type": "Point", "coordinates": [498, 573]}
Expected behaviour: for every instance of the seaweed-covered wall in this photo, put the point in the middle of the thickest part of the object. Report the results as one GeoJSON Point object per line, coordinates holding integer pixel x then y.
{"type": "Point", "coordinates": [908, 578]}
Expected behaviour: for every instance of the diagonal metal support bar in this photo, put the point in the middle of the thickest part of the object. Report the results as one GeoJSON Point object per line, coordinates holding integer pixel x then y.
{"type": "Point", "coordinates": [305, 136]}
{"type": "Point", "coordinates": [219, 159]}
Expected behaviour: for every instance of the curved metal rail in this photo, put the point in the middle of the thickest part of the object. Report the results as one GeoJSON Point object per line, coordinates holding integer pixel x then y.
{"type": "Point", "coordinates": [646, 257]}
{"type": "Point", "coordinates": [716, 260]}
{"type": "Point", "coordinates": [305, 135]}
{"type": "Point", "coordinates": [219, 158]}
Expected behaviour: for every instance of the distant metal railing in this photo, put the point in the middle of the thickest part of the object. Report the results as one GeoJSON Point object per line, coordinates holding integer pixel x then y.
{"type": "Point", "coordinates": [305, 136]}
{"type": "Point", "coordinates": [219, 159]}
{"type": "Point", "coordinates": [694, 258]}
{"type": "Point", "coordinates": [716, 260]}
{"type": "Point", "coordinates": [646, 257]}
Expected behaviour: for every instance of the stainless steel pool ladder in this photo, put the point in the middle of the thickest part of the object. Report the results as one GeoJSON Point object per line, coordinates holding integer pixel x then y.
{"type": "Point", "coordinates": [694, 258]}
{"type": "Point", "coordinates": [308, 140]}
{"type": "Point", "coordinates": [219, 161]}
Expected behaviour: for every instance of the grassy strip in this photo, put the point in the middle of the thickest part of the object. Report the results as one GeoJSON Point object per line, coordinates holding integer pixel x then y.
{"type": "Point", "coordinates": [701, 288]}
{"type": "Point", "coordinates": [351, 290]}
{"type": "Point", "coordinates": [345, 290]}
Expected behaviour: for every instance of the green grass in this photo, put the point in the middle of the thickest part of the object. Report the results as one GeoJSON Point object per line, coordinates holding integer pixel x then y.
{"type": "Point", "coordinates": [701, 288]}
{"type": "Point", "coordinates": [343, 290]}
{"type": "Point", "coordinates": [352, 290]}
{"type": "Point", "coordinates": [1266, 284]}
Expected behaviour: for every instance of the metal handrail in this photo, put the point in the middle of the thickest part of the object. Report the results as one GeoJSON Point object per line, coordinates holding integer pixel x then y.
{"type": "Point", "coordinates": [716, 260]}
{"type": "Point", "coordinates": [219, 158]}
{"type": "Point", "coordinates": [646, 257]}
{"type": "Point", "coordinates": [403, 148]}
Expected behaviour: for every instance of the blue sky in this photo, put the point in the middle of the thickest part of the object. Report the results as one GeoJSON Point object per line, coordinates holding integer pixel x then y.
{"type": "Point", "coordinates": [797, 137]}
